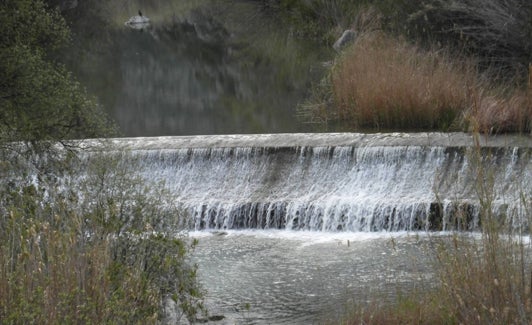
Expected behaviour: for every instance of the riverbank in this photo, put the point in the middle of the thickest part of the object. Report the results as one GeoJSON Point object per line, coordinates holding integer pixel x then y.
{"type": "Point", "coordinates": [386, 80]}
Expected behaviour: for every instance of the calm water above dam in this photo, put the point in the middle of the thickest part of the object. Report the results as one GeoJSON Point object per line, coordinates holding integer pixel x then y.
{"type": "Point", "coordinates": [202, 68]}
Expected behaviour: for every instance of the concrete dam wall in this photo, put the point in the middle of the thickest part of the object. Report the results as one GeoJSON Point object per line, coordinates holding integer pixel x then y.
{"type": "Point", "coordinates": [340, 181]}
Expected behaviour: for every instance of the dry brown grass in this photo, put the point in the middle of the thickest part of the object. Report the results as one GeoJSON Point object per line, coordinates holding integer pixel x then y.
{"type": "Point", "coordinates": [512, 113]}
{"type": "Point", "coordinates": [51, 276]}
{"type": "Point", "coordinates": [385, 83]}
{"type": "Point", "coordinates": [487, 282]}
{"type": "Point", "coordinates": [508, 111]}
{"type": "Point", "coordinates": [478, 281]}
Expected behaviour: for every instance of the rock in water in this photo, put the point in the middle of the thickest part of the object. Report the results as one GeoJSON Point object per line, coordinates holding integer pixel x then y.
{"type": "Point", "coordinates": [138, 22]}
{"type": "Point", "coordinates": [347, 38]}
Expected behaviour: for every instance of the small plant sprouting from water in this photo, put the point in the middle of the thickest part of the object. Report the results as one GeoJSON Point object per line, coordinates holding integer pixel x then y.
{"type": "Point", "coordinates": [246, 310]}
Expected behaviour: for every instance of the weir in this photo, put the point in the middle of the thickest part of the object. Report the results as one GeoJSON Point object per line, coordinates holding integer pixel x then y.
{"type": "Point", "coordinates": [340, 181]}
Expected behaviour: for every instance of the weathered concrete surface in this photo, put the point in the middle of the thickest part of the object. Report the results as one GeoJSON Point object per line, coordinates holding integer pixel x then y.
{"type": "Point", "coordinates": [336, 181]}
{"type": "Point", "coordinates": [322, 140]}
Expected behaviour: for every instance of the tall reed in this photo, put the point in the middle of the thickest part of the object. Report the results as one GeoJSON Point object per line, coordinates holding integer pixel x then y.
{"type": "Point", "coordinates": [487, 280]}
{"type": "Point", "coordinates": [386, 83]}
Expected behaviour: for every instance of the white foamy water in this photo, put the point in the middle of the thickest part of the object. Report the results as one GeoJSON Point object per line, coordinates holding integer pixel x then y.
{"type": "Point", "coordinates": [364, 186]}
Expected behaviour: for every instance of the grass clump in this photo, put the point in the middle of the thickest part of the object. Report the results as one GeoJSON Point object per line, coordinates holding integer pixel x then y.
{"type": "Point", "coordinates": [502, 113]}
{"type": "Point", "coordinates": [385, 83]}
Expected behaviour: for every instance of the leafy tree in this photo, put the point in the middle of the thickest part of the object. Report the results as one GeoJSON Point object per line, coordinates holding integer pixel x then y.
{"type": "Point", "coordinates": [39, 99]}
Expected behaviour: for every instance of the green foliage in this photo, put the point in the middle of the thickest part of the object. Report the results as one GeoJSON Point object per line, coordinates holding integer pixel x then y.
{"type": "Point", "coordinates": [79, 242]}
{"type": "Point", "coordinates": [77, 252]}
{"type": "Point", "coordinates": [39, 99]}
{"type": "Point", "coordinates": [29, 23]}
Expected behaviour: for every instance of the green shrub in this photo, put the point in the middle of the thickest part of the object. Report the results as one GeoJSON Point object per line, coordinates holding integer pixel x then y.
{"type": "Point", "coordinates": [82, 241]}
{"type": "Point", "coordinates": [105, 253]}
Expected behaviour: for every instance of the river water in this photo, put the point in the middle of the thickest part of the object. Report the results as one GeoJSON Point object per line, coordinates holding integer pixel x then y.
{"type": "Point", "coordinates": [218, 68]}
{"type": "Point", "coordinates": [287, 277]}
{"type": "Point", "coordinates": [298, 228]}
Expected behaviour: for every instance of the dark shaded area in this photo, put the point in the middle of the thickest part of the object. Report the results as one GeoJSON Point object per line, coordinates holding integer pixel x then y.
{"type": "Point", "coordinates": [461, 216]}
{"type": "Point", "coordinates": [173, 82]}
{"type": "Point", "coordinates": [192, 75]}
{"type": "Point", "coordinates": [497, 34]}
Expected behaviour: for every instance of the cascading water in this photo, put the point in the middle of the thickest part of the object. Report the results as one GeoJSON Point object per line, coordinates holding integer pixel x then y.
{"type": "Point", "coordinates": [358, 197]}
{"type": "Point", "coordinates": [338, 182]}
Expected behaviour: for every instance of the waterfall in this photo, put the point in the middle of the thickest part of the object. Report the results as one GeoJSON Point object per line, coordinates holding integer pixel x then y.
{"type": "Point", "coordinates": [339, 182]}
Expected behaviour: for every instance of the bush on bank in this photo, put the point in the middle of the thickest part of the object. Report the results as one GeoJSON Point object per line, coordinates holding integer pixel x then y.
{"type": "Point", "coordinates": [80, 239]}
{"type": "Point", "coordinates": [384, 81]}
{"type": "Point", "coordinates": [91, 245]}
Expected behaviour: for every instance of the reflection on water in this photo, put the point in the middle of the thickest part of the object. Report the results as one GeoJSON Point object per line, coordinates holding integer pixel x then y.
{"type": "Point", "coordinates": [278, 277]}
{"type": "Point", "coordinates": [194, 72]}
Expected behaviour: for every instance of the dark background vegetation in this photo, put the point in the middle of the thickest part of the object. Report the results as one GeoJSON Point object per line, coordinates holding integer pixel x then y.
{"type": "Point", "coordinates": [497, 33]}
